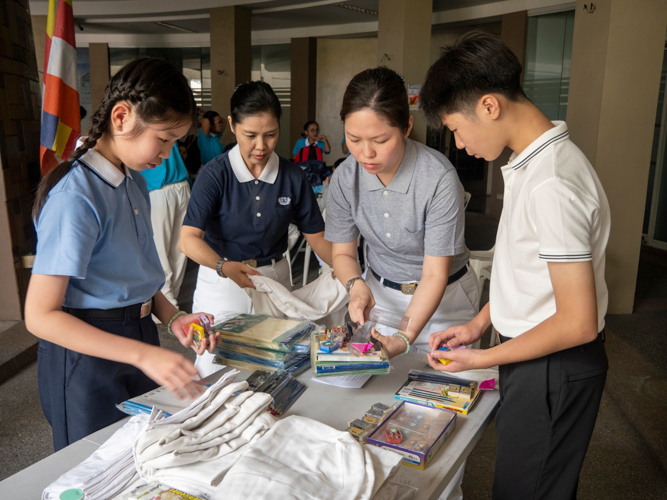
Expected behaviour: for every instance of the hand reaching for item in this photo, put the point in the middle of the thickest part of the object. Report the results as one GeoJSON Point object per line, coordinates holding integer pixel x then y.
{"type": "Point", "coordinates": [170, 370]}
{"type": "Point", "coordinates": [393, 345]}
{"type": "Point", "coordinates": [238, 272]}
{"type": "Point", "coordinates": [207, 344]}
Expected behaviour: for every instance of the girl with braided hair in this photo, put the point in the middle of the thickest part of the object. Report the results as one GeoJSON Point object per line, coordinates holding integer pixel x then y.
{"type": "Point", "coordinates": [97, 274]}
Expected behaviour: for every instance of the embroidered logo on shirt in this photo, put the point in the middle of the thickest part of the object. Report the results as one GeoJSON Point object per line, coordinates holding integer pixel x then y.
{"type": "Point", "coordinates": [284, 200]}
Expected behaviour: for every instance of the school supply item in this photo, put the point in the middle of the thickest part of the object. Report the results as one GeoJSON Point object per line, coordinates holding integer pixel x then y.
{"type": "Point", "coordinates": [258, 342]}
{"type": "Point", "coordinates": [332, 354]}
{"type": "Point", "coordinates": [361, 428]}
{"type": "Point", "coordinates": [263, 331]}
{"type": "Point", "coordinates": [439, 391]}
{"type": "Point", "coordinates": [445, 348]}
{"type": "Point", "coordinates": [362, 340]}
{"type": "Point", "coordinates": [415, 432]}
{"type": "Point", "coordinates": [283, 388]}
{"type": "Point", "coordinates": [158, 491]}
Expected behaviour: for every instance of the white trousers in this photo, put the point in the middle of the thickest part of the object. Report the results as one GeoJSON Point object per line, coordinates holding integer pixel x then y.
{"type": "Point", "coordinates": [221, 297]}
{"type": "Point", "coordinates": [458, 305]}
{"type": "Point", "coordinates": [168, 207]}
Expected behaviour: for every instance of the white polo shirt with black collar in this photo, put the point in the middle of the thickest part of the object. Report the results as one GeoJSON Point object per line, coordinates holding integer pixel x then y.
{"type": "Point", "coordinates": [555, 210]}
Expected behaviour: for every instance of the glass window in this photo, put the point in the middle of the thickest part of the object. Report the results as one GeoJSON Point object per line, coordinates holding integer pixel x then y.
{"type": "Point", "coordinates": [548, 60]}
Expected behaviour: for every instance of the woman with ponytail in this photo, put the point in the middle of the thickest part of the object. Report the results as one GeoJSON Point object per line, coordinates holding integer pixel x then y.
{"type": "Point", "coordinates": [97, 275]}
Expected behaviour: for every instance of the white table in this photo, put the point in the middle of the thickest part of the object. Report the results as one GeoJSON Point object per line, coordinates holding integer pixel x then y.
{"type": "Point", "coordinates": [331, 405]}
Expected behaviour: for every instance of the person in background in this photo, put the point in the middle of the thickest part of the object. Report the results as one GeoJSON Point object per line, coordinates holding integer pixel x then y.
{"type": "Point", "coordinates": [183, 151]}
{"type": "Point", "coordinates": [209, 138]}
{"type": "Point", "coordinates": [97, 276]}
{"type": "Point", "coordinates": [169, 190]}
{"type": "Point", "coordinates": [241, 207]}
{"type": "Point", "coordinates": [311, 133]}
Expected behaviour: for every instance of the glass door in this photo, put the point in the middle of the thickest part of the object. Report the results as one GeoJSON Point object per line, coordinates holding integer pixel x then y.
{"type": "Point", "coordinates": [655, 216]}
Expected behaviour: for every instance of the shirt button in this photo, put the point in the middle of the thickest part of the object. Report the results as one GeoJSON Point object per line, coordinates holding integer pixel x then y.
{"type": "Point", "coordinates": [258, 214]}
{"type": "Point", "coordinates": [256, 182]}
{"type": "Point", "coordinates": [385, 193]}
{"type": "Point", "coordinates": [386, 214]}
{"type": "Point", "coordinates": [257, 198]}
{"type": "Point", "coordinates": [136, 211]}
{"type": "Point", "coordinates": [388, 235]}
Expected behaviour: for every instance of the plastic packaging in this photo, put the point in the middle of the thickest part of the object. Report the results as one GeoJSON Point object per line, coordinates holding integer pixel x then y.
{"type": "Point", "coordinates": [362, 341]}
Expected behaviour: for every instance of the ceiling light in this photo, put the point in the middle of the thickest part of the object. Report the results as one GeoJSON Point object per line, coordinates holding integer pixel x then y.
{"type": "Point", "coordinates": [358, 9]}
{"type": "Point", "coordinates": [177, 28]}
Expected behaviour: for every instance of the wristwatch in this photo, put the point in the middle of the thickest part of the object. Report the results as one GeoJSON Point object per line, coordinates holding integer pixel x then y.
{"type": "Point", "coordinates": [348, 285]}
{"type": "Point", "coordinates": [218, 268]}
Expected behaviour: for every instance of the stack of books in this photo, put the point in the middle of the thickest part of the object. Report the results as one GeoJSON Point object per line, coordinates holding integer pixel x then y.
{"type": "Point", "coordinates": [252, 342]}
{"type": "Point", "coordinates": [331, 355]}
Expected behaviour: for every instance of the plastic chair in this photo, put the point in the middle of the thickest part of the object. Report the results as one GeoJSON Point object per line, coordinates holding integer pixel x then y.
{"type": "Point", "coordinates": [466, 200]}
{"type": "Point", "coordinates": [481, 261]}
{"type": "Point", "coordinates": [309, 251]}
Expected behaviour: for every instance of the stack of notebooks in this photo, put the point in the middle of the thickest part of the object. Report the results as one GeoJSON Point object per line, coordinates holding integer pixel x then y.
{"type": "Point", "coordinates": [284, 389]}
{"type": "Point", "coordinates": [252, 342]}
{"type": "Point", "coordinates": [439, 391]}
{"type": "Point", "coordinates": [331, 355]}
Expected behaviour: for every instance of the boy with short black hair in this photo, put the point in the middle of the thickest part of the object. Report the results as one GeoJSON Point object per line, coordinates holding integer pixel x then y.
{"type": "Point", "coordinates": [548, 296]}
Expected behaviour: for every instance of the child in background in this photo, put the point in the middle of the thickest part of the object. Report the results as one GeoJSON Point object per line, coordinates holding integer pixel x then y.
{"type": "Point", "coordinates": [548, 295]}
{"type": "Point", "coordinates": [209, 138]}
{"type": "Point", "coordinates": [97, 275]}
{"type": "Point", "coordinates": [311, 135]}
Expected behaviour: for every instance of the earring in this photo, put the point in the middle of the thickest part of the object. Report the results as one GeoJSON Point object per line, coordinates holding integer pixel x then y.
{"type": "Point", "coordinates": [120, 128]}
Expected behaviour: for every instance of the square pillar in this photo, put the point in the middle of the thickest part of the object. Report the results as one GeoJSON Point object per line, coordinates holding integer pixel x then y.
{"type": "Point", "coordinates": [404, 42]}
{"type": "Point", "coordinates": [231, 57]}
{"type": "Point", "coordinates": [98, 55]}
{"type": "Point", "coordinates": [617, 53]}
{"type": "Point", "coordinates": [303, 100]}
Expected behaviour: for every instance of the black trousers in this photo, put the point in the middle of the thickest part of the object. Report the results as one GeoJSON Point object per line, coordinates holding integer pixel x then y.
{"type": "Point", "coordinates": [79, 393]}
{"type": "Point", "coordinates": [548, 408]}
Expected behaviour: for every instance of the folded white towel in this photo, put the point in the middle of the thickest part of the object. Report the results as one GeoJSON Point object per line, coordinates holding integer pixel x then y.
{"type": "Point", "coordinates": [300, 458]}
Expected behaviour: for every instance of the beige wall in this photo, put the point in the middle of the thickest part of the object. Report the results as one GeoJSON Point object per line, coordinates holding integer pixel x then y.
{"type": "Point", "coordinates": [337, 62]}
{"type": "Point", "coordinates": [616, 63]}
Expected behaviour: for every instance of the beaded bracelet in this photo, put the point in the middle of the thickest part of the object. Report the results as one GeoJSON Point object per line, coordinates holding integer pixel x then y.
{"type": "Point", "coordinates": [407, 342]}
{"type": "Point", "coordinates": [179, 313]}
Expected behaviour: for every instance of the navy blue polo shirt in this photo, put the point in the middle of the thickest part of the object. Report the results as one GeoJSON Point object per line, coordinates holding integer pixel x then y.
{"type": "Point", "coordinates": [247, 218]}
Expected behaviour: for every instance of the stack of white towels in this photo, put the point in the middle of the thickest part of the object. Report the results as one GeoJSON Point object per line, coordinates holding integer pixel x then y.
{"type": "Point", "coordinates": [225, 445]}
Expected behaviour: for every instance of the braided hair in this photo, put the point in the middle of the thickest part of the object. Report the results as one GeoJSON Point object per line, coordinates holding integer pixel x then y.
{"type": "Point", "coordinates": [157, 92]}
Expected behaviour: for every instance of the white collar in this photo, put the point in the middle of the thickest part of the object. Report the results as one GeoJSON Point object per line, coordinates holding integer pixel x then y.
{"type": "Point", "coordinates": [104, 168]}
{"type": "Point", "coordinates": [269, 174]}
{"type": "Point", "coordinates": [556, 134]}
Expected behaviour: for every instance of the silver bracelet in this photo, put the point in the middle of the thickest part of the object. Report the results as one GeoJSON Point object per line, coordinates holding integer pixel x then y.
{"type": "Point", "coordinates": [407, 342]}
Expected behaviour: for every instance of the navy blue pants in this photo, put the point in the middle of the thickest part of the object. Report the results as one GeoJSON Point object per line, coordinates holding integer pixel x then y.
{"type": "Point", "coordinates": [548, 408]}
{"type": "Point", "coordinates": [78, 393]}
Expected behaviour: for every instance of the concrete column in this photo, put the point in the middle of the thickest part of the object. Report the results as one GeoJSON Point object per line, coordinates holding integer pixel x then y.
{"type": "Point", "coordinates": [19, 152]}
{"type": "Point", "coordinates": [39, 35]}
{"type": "Point", "coordinates": [303, 68]}
{"type": "Point", "coordinates": [98, 56]}
{"type": "Point", "coordinates": [514, 33]}
{"type": "Point", "coordinates": [617, 57]}
{"type": "Point", "coordinates": [404, 41]}
{"type": "Point", "coordinates": [231, 56]}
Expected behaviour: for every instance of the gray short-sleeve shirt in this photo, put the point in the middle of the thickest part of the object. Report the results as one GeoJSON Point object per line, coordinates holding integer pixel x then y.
{"type": "Point", "coordinates": [420, 212]}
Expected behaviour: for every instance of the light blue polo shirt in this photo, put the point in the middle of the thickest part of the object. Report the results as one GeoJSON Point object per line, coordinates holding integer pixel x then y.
{"type": "Point", "coordinates": [301, 143]}
{"type": "Point", "coordinates": [95, 227]}
{"type": "Point", "coordinates": [171, 171]}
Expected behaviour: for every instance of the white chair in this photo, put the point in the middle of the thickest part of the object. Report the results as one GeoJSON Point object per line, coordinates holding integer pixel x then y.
{"type": "Point", "coordinates": [466, 200]}
{"type": "Point", "coordinates": [481, 261]}
{"type": "Point", "coordinates": [306, 257]}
